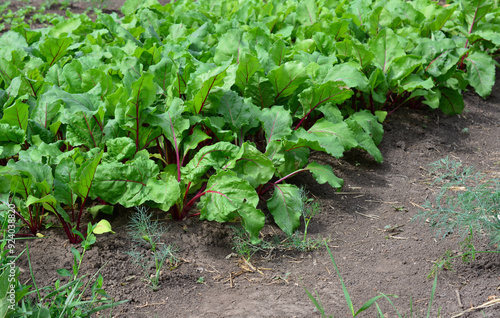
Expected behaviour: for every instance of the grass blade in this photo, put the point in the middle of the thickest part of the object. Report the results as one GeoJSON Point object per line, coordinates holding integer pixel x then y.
{"type": "Point", "coordinates": [370, 302]}
{"type": "Point", "coordinates": [346, 293]}
{"type": "Point", "coordinates": [433, 291]}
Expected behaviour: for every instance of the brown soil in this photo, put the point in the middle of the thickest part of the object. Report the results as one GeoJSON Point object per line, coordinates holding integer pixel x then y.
{"type": "Point", "coordinates": [370, 259]}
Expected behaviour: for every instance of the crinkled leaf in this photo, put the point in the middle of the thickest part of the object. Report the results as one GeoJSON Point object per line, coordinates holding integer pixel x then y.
{"type": "Point", "coordinates": [226, 197]}
{"type": "Point", "coordinates": [124, 183]}
{"type": "Point", "coordinates": [215, 156]}
{"type": "Point", "coordinates": [119, 149]}
{"type": "Point", "coordinates": [252, 165]}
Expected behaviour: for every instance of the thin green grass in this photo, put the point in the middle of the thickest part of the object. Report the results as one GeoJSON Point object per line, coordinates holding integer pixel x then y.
{"type": "Point", "coordinates": [373, 301]}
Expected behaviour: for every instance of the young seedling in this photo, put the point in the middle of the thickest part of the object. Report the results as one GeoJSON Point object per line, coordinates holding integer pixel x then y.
{"type": "Point", "coordinates": [148, 233]}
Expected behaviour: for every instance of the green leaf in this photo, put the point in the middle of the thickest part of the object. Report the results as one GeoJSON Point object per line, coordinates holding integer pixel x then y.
{"type": "Point", "coordinates": [215, 156]}
{"type": "Point", "coordinates": [481, 72]}
{"type": "Point", "coordinates": [307, 12]}
{"type": "Point", "coordinates": [130, 6]}
{"type": "Point", "coordinates": [53, 49]}
{"type": "Point", "coordinates": [261, 92]}
{"type": "Point", "coordinates": [119, 149]}
{"type": "Point", "coordinates": [10, 140]}
{"type": "Point", "coordinates": [334, 138]}
{"type": "Point", "coordinates": [94, 210]}
{"type": "Point", "coordinates": [252, 165]}
{"type": "Point", "coordinates": [191, 142]}
{"type": "Point", "coordinates": [65, 26]}
{"type": "Point", "coordinates": [386, 47]}
{"type": "Point", "coordinates": [403, 66]}
{"type": "Point", "coordinates": [276, 122]}
{"type": "Point", "coordinates": [165, 191]}
{"type": "Point", "coordinates": [330, 92]}
{"type": "Point", "coordinates": [227, 197]}
{"type": "Point", "coordinates": [247, 67]}
{"type": "Point", "coordinates": [367, 131]}
{"type": "Point", "coordinates": [237, 112]}
{"type": "Point", "coordinates": [203, 85]}
{"type": "Point", "coordinates": [103, 227]}
{"type": "Point", "coordinates": [43, 312]}
{"type": "Point", "coordinates": [286, 207]}
{"type": "Point", "coordinates": [451, 101]}
{"type": "Point", "coordinates": [8, 71]}
{"type": "Point", "coordinates": [347, 74]}
{"type": "Point", "coordinates": [64, 176]}
{"type": "Point", "coordinates": [85, 176]}
{"type": "Point", "coordinates": [124, 183]}
{"type": "Point", "coordinates": [229, 46]}
{"type": "Point", "coordinates": [287, 78]}
{"type": "Point", "coordinates": [440, 56]}
{"type": "Point", "coordinates": [324, 174]}
{"type": "Point", "coordinates": [164, 73]}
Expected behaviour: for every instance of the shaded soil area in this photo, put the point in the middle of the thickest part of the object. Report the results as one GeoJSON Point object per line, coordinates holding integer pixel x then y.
{"type": "Point", "coordinates": [375, 198]}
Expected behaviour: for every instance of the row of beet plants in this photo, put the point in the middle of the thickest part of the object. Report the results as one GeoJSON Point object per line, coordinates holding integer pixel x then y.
{"type": "Point", "coordinates": [217, 104]}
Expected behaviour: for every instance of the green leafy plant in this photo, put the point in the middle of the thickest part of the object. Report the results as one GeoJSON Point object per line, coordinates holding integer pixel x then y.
{"type": "Point", "coordinates": [148, 234]}
{"type": "Point", "coordinates": [211, 114]}
{"type": "Point", "coordinates": [467, 203]}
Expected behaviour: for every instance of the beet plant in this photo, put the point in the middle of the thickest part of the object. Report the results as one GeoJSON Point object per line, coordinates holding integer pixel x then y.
{"type": "Point", "coordinates": [208, 109]}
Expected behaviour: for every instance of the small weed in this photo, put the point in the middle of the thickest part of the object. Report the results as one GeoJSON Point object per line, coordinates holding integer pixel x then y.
{"type": "Point", "coordinates": [148, 234]}
{"type": "Point", "coordinates": [317, 302]}
{"type": "Point", "coordinates": [467, 203]}
{"type": "Point", "coordinates": [298, 241]}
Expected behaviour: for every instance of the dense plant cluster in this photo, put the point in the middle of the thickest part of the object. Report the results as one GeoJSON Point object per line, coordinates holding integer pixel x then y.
{"type": "Point", "coordinates": [219, 103]}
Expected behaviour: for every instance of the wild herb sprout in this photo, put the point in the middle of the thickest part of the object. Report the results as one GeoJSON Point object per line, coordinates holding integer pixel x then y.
{"type": "Point", "coordinates": [148, 233]}
{"type": "Point", "coordinates": [467, 203]}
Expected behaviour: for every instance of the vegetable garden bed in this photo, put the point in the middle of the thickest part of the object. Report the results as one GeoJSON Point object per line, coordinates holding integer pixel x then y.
{"type": "Point", "coordinates": [221, 112]}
